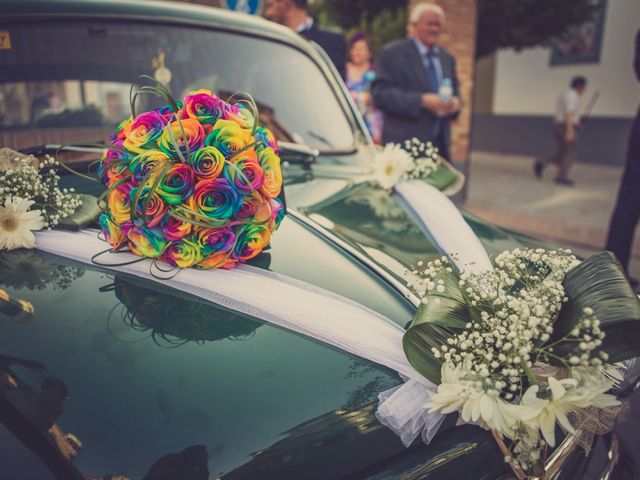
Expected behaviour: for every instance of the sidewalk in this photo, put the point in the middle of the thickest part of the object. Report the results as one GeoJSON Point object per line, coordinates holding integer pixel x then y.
{"type": "Point", "coordinates": [503, 190]}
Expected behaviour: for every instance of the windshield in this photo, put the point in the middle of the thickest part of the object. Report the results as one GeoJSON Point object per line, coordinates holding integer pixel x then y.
{"type": "Point", "coordinates": [69, 82]}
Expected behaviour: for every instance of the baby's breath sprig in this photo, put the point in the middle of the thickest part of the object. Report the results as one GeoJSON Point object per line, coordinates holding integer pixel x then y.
{"type": "Point", "coordinates": [40, 184]}
{"type": "Point", "coordinates": [425, 158]}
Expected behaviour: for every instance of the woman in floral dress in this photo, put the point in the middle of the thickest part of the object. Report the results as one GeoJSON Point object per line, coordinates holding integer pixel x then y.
{"type": "Point", "coordinates": [360, 73]}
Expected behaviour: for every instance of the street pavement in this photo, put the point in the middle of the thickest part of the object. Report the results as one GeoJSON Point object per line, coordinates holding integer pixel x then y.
{"type": "Point", "coordinates": [503, 190]}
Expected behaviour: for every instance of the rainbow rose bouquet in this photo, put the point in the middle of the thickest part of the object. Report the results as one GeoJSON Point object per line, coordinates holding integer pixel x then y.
{"type": "Point", "coordinates": [192, 184]}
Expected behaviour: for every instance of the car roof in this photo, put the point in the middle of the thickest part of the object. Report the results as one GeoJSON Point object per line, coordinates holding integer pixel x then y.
{"type": "Point", "coordinates": [172, 12]}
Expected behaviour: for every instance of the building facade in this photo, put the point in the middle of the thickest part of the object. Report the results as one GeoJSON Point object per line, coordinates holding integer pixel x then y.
{"type": "Point", "coordinates": [516, 92]}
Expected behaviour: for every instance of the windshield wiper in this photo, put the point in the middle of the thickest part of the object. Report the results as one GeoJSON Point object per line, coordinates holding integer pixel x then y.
{"type": "Point", "coordinates": [294, 153]}
{"type": "Point", "coordinates": [298, 153]}
{"type": "Point", "coordinates": [41, 149]}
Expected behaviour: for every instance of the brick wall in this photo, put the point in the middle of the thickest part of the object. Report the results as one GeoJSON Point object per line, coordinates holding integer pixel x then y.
{"type": "Point", "coordinates": [459, 38]}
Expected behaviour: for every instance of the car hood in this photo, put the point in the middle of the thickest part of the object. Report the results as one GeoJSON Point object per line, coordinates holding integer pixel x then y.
{"type": "Point", "coordinates": [148, 379]}
{"type": "Point", "coordinates": [350, 207]}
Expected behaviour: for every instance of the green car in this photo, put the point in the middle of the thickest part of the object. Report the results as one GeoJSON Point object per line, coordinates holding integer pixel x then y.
{"type": "Point", "coordinates": [116, 377]}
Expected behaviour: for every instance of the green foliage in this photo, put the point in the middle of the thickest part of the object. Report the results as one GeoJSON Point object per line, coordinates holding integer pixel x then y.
{"type": "Point", "coordinates": [443, 317]}
{"type": "Point", "coordinates": [355, 13]}
{"type": "Point", "coordinates": [526, 23]}
{"type": "Point", "coordinates": [388, 25]}
{"type": "Point", "coordinates": [600, 283]}
{"type": "Point", "coordinates": [381, 20]}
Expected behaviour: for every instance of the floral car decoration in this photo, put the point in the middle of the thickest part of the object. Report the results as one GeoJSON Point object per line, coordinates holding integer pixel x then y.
{"type": "Point", "coordinates": [193, 183]}
{"type": "Point", "coordinates": [415, 160]}
{"type": "Point", "coordinates": [537, 340]}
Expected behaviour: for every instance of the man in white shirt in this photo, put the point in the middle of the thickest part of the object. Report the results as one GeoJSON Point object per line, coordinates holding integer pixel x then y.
{"type": "Point", "coordinates": [566, 122]}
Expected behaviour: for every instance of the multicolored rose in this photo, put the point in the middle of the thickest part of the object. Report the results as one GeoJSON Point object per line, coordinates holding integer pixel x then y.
{"type": "Point", "coordinates": [202, 105]}
{"type": "Point", "coordinates": [142, 132]}
{"type": "Point", "coordinates": [196, 187]}
{"type": "Point", "coordinates": [270, 163]}
{"type": "Point", "coordinates": [229, 137]}
{"type": "Point", "coordinates": [245, 173]}
{"type": "Point", "coordinates": [183, 136]}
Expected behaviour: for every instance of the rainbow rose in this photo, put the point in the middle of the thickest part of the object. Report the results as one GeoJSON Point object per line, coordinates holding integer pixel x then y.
{"type": "Point", "coordinates": [216, 240]}
{"type": "Point", "coordinates": [146, 162]}
{"type": "Point", "coordinates": [142, 133]}
{"type": "Point", "coordinates": [216, 199]}
{"type": "Point", "coordinates": [202, 105]}
{"type": "Point", "coordinates": [277, 213]}
{"type": "Point", "coordinates": [183, 253]}
{"type": "Point", "coordinates": [264, 135]}
{"type": "Point", "coordinates": [174, 229]}
{"type": "Point", "coordinates": [112, 232]}
{"type": "Point", "coordinates": [270, 163]}
{"type": "Point", "coordinates": [167, 111]}
{"type": "Point", "coordinates": [173, 140]}
{"type": "Point", "coordinates": [118, 137]}
{"type": "Point", "coordinates": [176, 184]}
{"type": "Point", "coordinates": [244, 172]}
{"type": "Point", "coordinates": [156, 209]}
{"type": "Point", "coordinates": [207, 162]}
{"type": "Point", "coordinates": [218, 260]}
{"type": "Point", "coordinates": [147, 242]}
{"type": "Point", "coordinates": [112, 166]}
{"type": "Point", "coordinates": [251, 240]}
{"type": "Point", "coordinates": [119, 203]}
{"type": "Point", "coordinates": [229, 137]}
{"type": "Point", "coordinates": [238, 113]}
{"type": "Point", "coordinates": [256, 208]}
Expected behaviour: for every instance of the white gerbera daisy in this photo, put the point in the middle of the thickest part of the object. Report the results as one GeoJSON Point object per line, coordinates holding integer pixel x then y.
{"type": "Point", "coordinates": [390, 165]}
{"type": "Point", "coordinates": [17, 222]}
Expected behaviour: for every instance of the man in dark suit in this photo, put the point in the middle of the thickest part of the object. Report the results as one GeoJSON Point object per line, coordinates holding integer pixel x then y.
{"type": "Point", "coordinates": [416, 85]}
{"type": "Point", "coordinates": [627, 212]}
{"type": "Point", "coordinates": [293, 14]}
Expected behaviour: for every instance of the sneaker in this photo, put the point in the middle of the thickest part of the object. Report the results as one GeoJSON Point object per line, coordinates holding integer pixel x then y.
{"type": "Point", "coordinates": [538, 168]}
{"type": "Point", "coordinates": [564, 181]}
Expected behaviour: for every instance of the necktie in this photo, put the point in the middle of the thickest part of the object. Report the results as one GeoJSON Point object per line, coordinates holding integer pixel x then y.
{"type": "Point", "coordinates": [431, 70]}
{"type": "Point", "coordinates": [435, 85]}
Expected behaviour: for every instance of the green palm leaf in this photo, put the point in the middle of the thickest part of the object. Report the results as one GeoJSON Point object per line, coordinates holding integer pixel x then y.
{"type": "Point", "coordinates": [600, 283]}
{"type": "Point", "coordinates": [85, 214]}
{"type": "Point", "coordinates": [441, 318]}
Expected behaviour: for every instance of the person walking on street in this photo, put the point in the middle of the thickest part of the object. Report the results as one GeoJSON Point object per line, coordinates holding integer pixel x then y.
{"type": "Point", "coordinates": [294, 14]}
{"type": "Point", "coordinates": [566, 123]}
{"type": "Point", "coordinates": [627, 210]}
{"type": "Point", "coordinates": [416, 85]}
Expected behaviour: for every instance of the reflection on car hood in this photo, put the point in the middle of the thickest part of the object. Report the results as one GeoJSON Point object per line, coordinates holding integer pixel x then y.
{"type": "Point", "coordinates": [153, 379]}
{"type": "Point", "coordinates": [370, 220]}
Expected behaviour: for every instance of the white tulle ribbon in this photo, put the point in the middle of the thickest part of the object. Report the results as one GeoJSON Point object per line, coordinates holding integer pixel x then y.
{"type": "Point", "coordinates": [402, 409]}
{"type": "Point", "coordinates": [440, 220]}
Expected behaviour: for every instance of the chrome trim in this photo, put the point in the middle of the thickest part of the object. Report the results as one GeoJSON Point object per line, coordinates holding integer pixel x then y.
{"type": "Point", "coordinates": [356, 254]}
{"type": "Point", "coordinates": [557, 459]}
{"type": "Point", "coordinates": [72, 148]}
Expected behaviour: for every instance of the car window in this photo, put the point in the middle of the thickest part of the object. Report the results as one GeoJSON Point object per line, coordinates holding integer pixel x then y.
{"type": "Point", "coordinates": [65, 82]}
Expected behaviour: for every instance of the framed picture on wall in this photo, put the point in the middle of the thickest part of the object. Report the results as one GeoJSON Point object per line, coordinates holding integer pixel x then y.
{"type": "Point", "coordinates": [581, 43]}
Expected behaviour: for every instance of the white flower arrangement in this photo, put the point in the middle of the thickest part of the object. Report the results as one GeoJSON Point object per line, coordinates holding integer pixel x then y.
{"type": "Point", "coordinates": [17, 223]}
{"type": "Point", "coordinates": [507, 369]}
{"type": "Point", "coordinates": [40, 186]}
{"type": "Point", "coordinates": [395, 163]}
